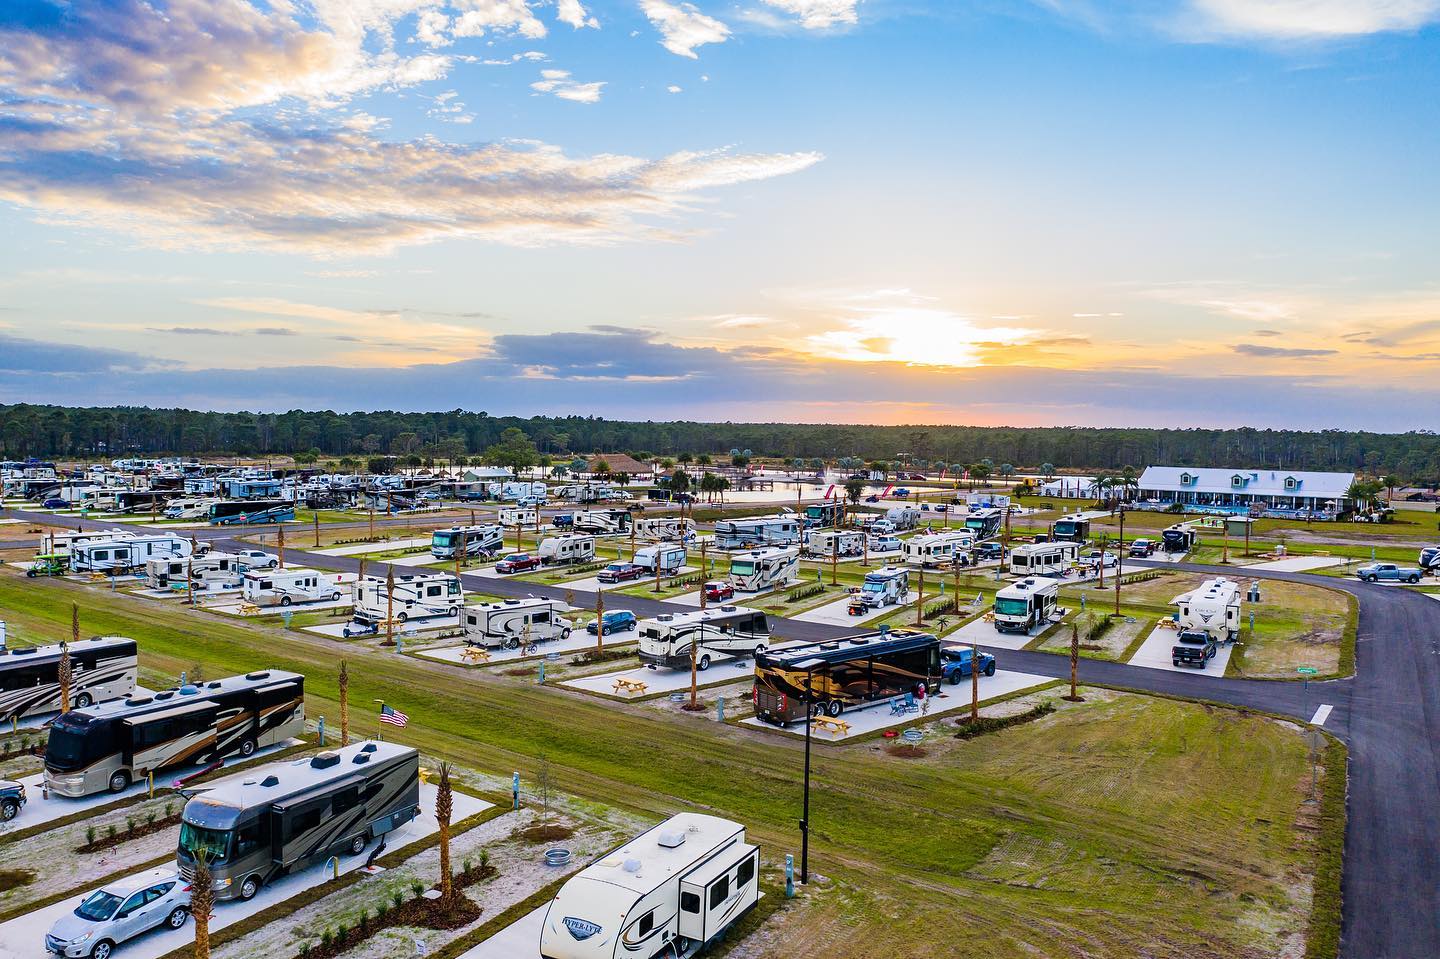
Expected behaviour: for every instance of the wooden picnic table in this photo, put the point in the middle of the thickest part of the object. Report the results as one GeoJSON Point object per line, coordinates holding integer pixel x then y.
{"type": "Point", "coordinates": [629, 686]}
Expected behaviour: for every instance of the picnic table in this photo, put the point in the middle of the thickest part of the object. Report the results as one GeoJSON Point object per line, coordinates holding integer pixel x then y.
{"type": "Point", "coordinates": [835, 727]}
{"type": "Point", "coordinates": [473, 654]}
{"type": "Point", "coordinates": [629, 687]}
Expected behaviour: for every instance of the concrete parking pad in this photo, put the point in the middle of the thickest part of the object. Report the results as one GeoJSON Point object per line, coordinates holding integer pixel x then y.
{"type": "Point", "coordinates": [660, 681]}
{"type": "Point", "coordinates": [1299, 564]}
{"type": "Point", "coordinates": [837, 613]}
{"type": "Point", "coordinates": [578, 642]}
{"type": "Point", "coordinates": [383, 546]}
{"type": "Point", "coordinates": [979, 631]}
{"type": "Point", "coordinates": [519, 940]}
{"type": "Point", "coordinates": [428, 624]}
{"type": "Point", "coordinates": [1154, 653]}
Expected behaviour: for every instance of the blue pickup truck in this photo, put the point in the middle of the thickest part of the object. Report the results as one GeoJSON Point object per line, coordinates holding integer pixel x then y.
{"type": "Point", "coordinates": [955, 664]}
{"type": "Point", "coordinates": [1388, 572]}
{"type": "Point", "coordinates": [12, 797]}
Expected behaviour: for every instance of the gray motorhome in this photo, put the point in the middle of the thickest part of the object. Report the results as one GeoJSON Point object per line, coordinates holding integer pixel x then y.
{"type": "Point", "coordinates": [287, 816]}
{"type": "Point", "coordinates": [755, 531]}
{"type": "Point", "coordinates": [483, 540]}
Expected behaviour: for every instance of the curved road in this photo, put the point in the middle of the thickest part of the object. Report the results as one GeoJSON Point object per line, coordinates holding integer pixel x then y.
{"type": "Point", "coordinates": [1387, 714]}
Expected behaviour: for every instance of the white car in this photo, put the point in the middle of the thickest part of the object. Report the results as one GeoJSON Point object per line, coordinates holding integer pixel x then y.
{"type": "Point", "coordinates": [257, 559]}
{"type": "Point", "coordinates": [119, 911]}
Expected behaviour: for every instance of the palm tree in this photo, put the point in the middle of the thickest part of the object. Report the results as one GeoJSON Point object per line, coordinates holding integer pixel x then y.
{"type": "Point", "coordinates": [444, 808]}
{"type": "Point", "coordinates": [1007, 470]}
{"type": "Point", "coordinates": [202, 903]}
{"type": "Point", "coordinates": [1390, 481]}
{"type": "Point", "coordinates": [1047, 470]}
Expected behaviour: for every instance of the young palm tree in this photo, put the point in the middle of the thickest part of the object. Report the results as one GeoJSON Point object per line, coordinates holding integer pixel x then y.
{"type": "Point", "coordinates": [66, 675]}
{"type": "Point", "coordinates": [444, 808]}
{"type": "Point", "coordinates": [202, 903]}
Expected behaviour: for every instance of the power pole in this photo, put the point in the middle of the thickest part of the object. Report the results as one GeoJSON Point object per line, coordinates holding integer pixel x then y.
{"type": "Point", "coordinates": [190, 579]}
{"type": "Point", "coordinates": [600, 618]}
{"type": "Point", "coordinates": [280, 545]}
{"type": "Point", "coordinates": [1101, 584]}
{"type": "Point", "coordinates": [694, 685]}
{"type": "Point", "coordinates": [316, 514]}
{"type": "Point", "coordinates": [834, 558]}
{"type": "Point", "coordinates": [1119, 560]}
{"type": "Point", "coordinates": [372, 521]}
{"type": "Point", "coordinates": [390, 606]}
{"type": "Point", "coordinates": [704, 572]}
{"type": "Point", "coordinates": [459, 552]}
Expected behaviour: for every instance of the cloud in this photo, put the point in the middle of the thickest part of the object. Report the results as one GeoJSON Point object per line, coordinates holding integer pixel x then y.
{"type": "Point", "coordinates": [898, 330]}
{"type": "Point", "coordinates": [192, 331]}
{"type": "Point", "coordinates": [573, 13]}
{"type": "Point", "coordinates": [1255, 349]}
{"type": "Point", "coordinates": [1266, 333]}
{"type": "Point", "coordinates": [1304, 19]}
{"type": "Point", "coordinates": [559, 83]}
{"type": "Point", "coordinates": [19, 355]}
{"type": "Point", "coordinates": [503, 16]}
{"type": "Point", "coordinates": [274, 331]}
{"type": "Point", "coordinates": [819, 14]}
{"type": "Point", "coordinates": [683, 27]}
{"type": "Point", "coordinates": [672, 88]}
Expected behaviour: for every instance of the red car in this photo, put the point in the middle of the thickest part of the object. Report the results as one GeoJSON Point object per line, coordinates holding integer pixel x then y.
{"type": "Point", "coordinates": [619, 572]}
{"type": "Point", "coordinates": [517, 563]}
{"type": "Point", "coordinates": [715, 592]}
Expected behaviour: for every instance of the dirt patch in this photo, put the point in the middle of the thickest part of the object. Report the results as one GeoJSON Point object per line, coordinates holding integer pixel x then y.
{"type": "Point", "coordinates": [550, 833]}
{"type": "Point", "coordinates": [15, 878]}
{"type": "Point", "coordinates": [907, 751]}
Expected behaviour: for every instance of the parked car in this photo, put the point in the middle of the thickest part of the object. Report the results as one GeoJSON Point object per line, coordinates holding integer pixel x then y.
{"type": "Point", "coordinates": [531, 501]}
{"type": "Point", "coordinates": [1193, 648]}
{"type": "Point", "coordinates": [989, 550]}
{"type": "Point", "coordinates": [1389, 572]}
{"type": "Point", "coordinates": [120, 911]}
{"type": "Point", "coordinates": [257, 559]}
{"type": "Point", "coordinates": [901, 493]}
{"type": "Point", "coordinates": [1096, 558]}
{"type": "Point", "coordinates": [882, 527]}
{"type": "Point", "coordinates": [873, 498]}
{"type": "Point", "coordinates": [55, 502]}
{"type": "Point", "coordinates": [717, 591]}
{"type": "Point", "coordinates": [620, 572]}
{"type": "Point", "coordinates": [517, 563]}
{"type": "Point", "coordinates": [616, 621]}
{"type": "Point", "coordinates": [955, 664]}
{"type": "Point", "coordinates": [1143, 547]}
{"type": "Point", "coordinates": [562, 520]}
{"type": "Point", "coordinates": [12, 797]}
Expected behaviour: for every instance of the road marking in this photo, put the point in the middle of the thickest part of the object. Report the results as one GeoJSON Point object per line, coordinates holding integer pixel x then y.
{"type": "Point", "coordinates": [1321, 714]}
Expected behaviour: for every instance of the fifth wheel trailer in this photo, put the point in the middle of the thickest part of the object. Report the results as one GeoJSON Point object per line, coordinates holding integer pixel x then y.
{"type": "Point", "coordinates": [127, 554]}
{"type": "Point", "coordinates": [511, 622]}
{"type": "Point", "coordinates": [1213, 608]}
{"type": "Point", "coordinates": [417, 596]}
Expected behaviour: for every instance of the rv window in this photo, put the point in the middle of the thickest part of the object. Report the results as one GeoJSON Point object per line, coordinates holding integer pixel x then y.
{"type": "Point", "coordinates": [689, 902]}
{"type": "Point", "coordinates": [720, 891]}
{"type": "Point", "coordinates": [252, 836]}
{"type": "Point", "coordinates": [432, 591]}
{"type": "Point", "coordinates": [745, 873]}
{"type": "Point", "coordinates": [647, 922]}
{"type": "Point", "coordinates": [345, 799]}
{"type": "Point", "coordinates": [302, 822]}
{"type": "Point", "coordinates": [267, 584]}
{"type": "Point", "coordinates": [541, 617]}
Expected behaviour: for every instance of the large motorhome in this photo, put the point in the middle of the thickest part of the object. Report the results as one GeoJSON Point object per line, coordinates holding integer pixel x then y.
{"type": "Point", "coordinates": [825, 543]}
{"type": "Point", "coordinates": [669, 892]}
{"type": "Point", "coordinates": [112, 745]}
{"type": "Point", "coordinates": [247, 512]}
{"type": "Point", "coordinates": [602, 521]}
{"type": "Point", "coordinates": [255, 828]}
{"type": "Point", "coordinates": [211, 571]}
{"type": "Point", "coordinates": [670, 557]}
{"type": "Point", "coordinates": [764, 569]}
{"type": "Point", "coordinates": [483, 540]}
{"type": "Point", "coordinates": [125, 555]}
{"type": "Point", "coordinates": [882, 587]}
{"type": "Point", "coordinates": [514, 622]}
{"type": "Point", "coordinates": [1213, 608]}
{"type": "Point", "coordinates": [1070, 530]}
{"type": "Point", "coordinates": [940, 549]}
{"type": "Point", "coordinates": [839, 674]}
{"type": "Point", "coordinates": [284, 587]}
{"type": "Point", "coordinates": [190, 507]}
{"type": "Point", "coordinates": [1043, 559]}
{"type": "Point", "coordinates": [1178, 539]}
{"type": "Point", "coordinates": [566, 548]}
{"type": "Point", "coordinates": [713, 633]}
{"type": "Point", "coordinates": [984, 522]}
{"type": "Point", "coordinates": [1021, 607]}
{"type": "Point", "coordinates": [665, 527]}
{"type": "Point", "coordinates": [416, 596]}
{"type": "Point", "coordinates": [826, 514]}
{"type": "Point", "coordinates": [755, 531]}
{"type": "Point", "coordinates": [101, 669]}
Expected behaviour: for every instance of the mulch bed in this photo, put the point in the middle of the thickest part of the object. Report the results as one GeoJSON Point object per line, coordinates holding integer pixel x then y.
{"type": "Point", "coordinates": [141, 829]}
{"type": "Point", "coordinates": [539, 834]}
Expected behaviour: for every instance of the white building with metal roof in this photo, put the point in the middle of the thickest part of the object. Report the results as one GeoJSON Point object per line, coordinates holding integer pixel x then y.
{"type": "Point", "coordinates": [1279, 492]}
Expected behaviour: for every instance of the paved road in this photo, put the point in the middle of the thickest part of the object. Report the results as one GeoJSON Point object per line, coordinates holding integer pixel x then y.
{"type": "Point", "coordinates": [1388, 714]}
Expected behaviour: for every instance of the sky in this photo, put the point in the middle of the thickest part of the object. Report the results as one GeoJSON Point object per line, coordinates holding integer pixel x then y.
{"type": "Point", "coordinates": [1034, 212]}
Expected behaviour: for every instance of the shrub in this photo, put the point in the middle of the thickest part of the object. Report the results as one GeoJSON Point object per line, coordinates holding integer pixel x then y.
{"type": "Point", "coordinates": [468, 864]}
{"type": "Point", "coordinates": [90, 835]}
{"type": "Point", "coordinates": [380, 911]}
{"type": "Point", "coordinates": [304, 949]}
{"type": "Point", "coordinates": [484, 859]}
{"type": "Point", "coordinates": [129, 823]}
{"type": "Point", "coordinates": [398, 898]}
{"type": "Point", "coordinates": [326, 938]}
{"type": "Point", "coordinates": [805, 592]}
{"type": "Point", "coordinates": [417, 888]}
{"type": "Point", "coordinates": [169, 809]}
{"type": "Point", "coordinates": [110, 831]}
{"type": "Point", "coordinates": [990, 724]}
{"type": "Point", "coordinates": [150, 818]}
{"type": "Point", "coordinates": [364, 918]}
{"type": "Point", "coordinates": [341, 931]}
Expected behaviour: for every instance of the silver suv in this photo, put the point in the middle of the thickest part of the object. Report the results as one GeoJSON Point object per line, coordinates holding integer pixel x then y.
{"type": "Point", "coordinates": [119, 911]}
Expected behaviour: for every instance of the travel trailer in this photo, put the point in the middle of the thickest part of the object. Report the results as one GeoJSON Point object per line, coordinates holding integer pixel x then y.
{"type": "Point", "coordinates": [566, 548]}
{"type": "Point", "coordinates": [1044, 559]}
{"type": "Point", "coordinates": [255, 828]}
{"type": "Point", "coordinates": [1021, 607]}
{"type": "Point", "coordinates": [125, 555]}
{"type": "Point", "coordinates": [665, 527]}
{"type": "Point", "coordinates": [713, 633]}
{"type": "Point", "coordinates": [1070, 530]}
{"type": "Point", "coordinates": [417, 596]}
{"type": "Point", "coordinates": [984, 522]}
{"type": "Point", "coordinates": [211, 571]}
{"type": "Point", "coordinates": [515, 622]}
{"type": "Point", "coordinates": [669, 892]}
{"type": "Point", "coordinates": [757, 531]}
{"type": "Point", "coordinates": [882, 587]}
{"type": "Point", "coordinates": [902, 518]}
{"type": "Point", "coordinates": [1178, 539]}
{"type": "Point", "coordinates": [521, 490]}
{"type": "Point", "coordinates": [764, 569]}
{"type": "Point", "coordinates": [939, 549]}
{"type": "Point", "coordinates": [62, 542]}
{"type": "Point", "coordinates": [112, 745]}
{"type": "Point", "coordinates": [1212, 608]}
{"type": "Point", "coordinates": [101, 669]}
{"type": "Point", "coordinates": [824, 514]}
{"type": "Point", "coordinates": [602, 521]}
{"type": "Point", "coordinates": [284, 587]}
{"type": "Point", "coordinates": [519, 516]}
{"type": "Point", "coordinates": [483, 540]}
{"type": "Point", "coordinates": [830, 677]}
{"type": "Point", "coordinates": [825, 543]}
{"type": "Point", "coordinates": [669, 556]}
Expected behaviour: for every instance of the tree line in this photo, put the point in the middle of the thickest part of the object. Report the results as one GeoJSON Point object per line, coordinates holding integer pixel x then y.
{"type": "Point", "coordinates": [108, 432]}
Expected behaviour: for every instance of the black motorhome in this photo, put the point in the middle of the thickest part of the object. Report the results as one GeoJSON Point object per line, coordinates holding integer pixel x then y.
{"type": "Point", "coordinates": [833, 676]}
{"type": "Point", "coordinates": [101, 669]}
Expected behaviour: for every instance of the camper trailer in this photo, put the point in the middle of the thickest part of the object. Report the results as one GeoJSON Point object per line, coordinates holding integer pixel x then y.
{"type": "Point", "coordinates": [882, 587]}
{"type": "Point", "coordinates": [1213, 608]}
{"type": "Point", "coordinates": [668, 892]}
{"type": "Point", "coordinates": [670, 557]}
{"type": "Point", "coordinates": [757, 531]}
{"type": "Point", "coordinates": [1430, 558]}
{"type": "Point", "coordinates": [1178, 539]}
{"type": "Point", "coordinates": [256, 828]}
{"type": "Point", "coordinates": [1070, 530]}
{"type": "Point", "coordinates": [483, 540]}
{"type": "Point", "coordinates": [514, 622]}
{"type": "Point", "coordinates": [567, 548]}
{"type": "Point", "coordinates": [939, 549]}
{"type": "Point", "coordinates": [101, 669]}
{"type": "Point", "coordinates": [602, 521]}
{"type": "Point", "coordinates": [211, 571]}
{"type": "Point", "coordinates": [284, 587]}
{"type": "Point", "coordinates": [112, 556]}
{"type": "Point", "coordinates": [519, 516]}
{"type": "Point", "coordinates": [1043, 559]}
{"type": "Point", "coordinates": [63, 542]}
{"type": "Point", "coordinates": [417, 596]}
{"type": "Point", "coordinates": [666, 527]}
{"type": "Point", "coordinates": [764, 569]}
{"type": "Point", "coordinates": [114, 744]}
{"type": "Point", "coordinates": [822, 515]}
{"type": "Point", "coordinates": [984, 522]}
{"type": "Point", "coordinates": [825, 543]}
{"type": "Point", "coordinates": [833, 676]}
{"type": "Point", "coordinates": [713, 633]}
{"type": "Point", "coordinates": [1021, 607]}
{"type": "Point", "coordinates": [902, 518]}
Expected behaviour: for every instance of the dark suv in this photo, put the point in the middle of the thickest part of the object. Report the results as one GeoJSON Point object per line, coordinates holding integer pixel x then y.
{"type": "Point", "coordinates": [1194, 648]}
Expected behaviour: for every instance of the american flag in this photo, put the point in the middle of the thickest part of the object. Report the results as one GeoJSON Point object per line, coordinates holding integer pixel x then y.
{"type": "Point", "coordinates": [393, 716]}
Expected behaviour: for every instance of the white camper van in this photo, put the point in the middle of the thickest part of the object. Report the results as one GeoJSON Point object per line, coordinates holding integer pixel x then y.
{"type": "Point", "coordinates": [514, 622]}
{"type": "Point", "coordinates": [940, 549]}
{"type": "Point", "coordinates": [669, 556]}
{"type": "Point", "coordinates": [415, 597]}
{"type": "Point", "coordinates": [764, 569]}
{"type": "Point", "coordinates": [1043, 559]}
{"type": "Point", "coordinates": [665, 527]}
{"type": "Point", "coordinates": [714, 633]}
{"type": "Point", "coordinates": [211, 571]}
{"type": "Point", "coordinates": [122, 555]}
{"type": "Point", "coordinates": [282, 587]}
{"type": "Point", "coordinates": [1022, 606]}
{"type": "Point", "coordinates": [566, 548]}
{"type": "Point", "coordinates": [668, 892]}
{"type": "Point", "coordinates": [825, 543]}
{"type": "Point", "coordinates": [483, 540]}
{"type": "Point", "coordinates": [518, 516]}
{"type": "Point", "coordinates": [1213, 607]}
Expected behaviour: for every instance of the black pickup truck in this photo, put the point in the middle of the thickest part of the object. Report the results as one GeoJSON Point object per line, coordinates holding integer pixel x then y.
{"type": "Point", "coordinates": [1194, 648]}
{"type": "Point", "coordinates": [12, 797]}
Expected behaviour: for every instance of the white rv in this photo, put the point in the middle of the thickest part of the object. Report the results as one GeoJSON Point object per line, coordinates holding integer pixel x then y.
{"type": "Point", "coordinates": [514, 622]}
{"type": "Point", "coordinates": [903, 517]}
{"type": "Point", "coordinates": [211, 571]}
{"type": "Point", "coordinates": [282, 587]}
{"type": "Point", "coordinates": [1021, 607]}
{"type": "Point", "coordinates": [483, 540]}
{"type": "Point", "coordinates": [757, 531]}
{"type": "Point", "coordinates": [63, 542]}
{"type": "Point", "coordinates": [122, 555]}
{"type": "Point", "coordinates": [764, 569]}
{"type": "Point", "coordinates": [940, 549]}
{"type": "Point", "coordinates": [190, 507]}
{"type": "Point", "coordinates": [827, 543]}
{"type": "Point", "coordinates": [602, 521]}
{"type": "Point", "coordinates": [713, 633]}
{"type": "Point", "coordinates": [1213, 607]}
{"type": "Point", "coordinates": [666, 527]}
{"type": "Point", "coordinates": [518, 516]}
{"type": "Point", "coordinates": [670, 557]}
{"type": "Point", "coordinates": [882, 587]}
{"type": "Point", "coordinates": [668, 892]}
{"type": "Point", "coordinates": [415, 597]}
{"type": "Point", "coordinates": [1043, 559]}
{"type": "Point", "coordinates": [567, 548]}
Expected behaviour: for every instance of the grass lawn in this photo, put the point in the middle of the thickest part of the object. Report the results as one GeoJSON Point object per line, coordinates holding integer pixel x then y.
{"type": "Point", "coordinates": [1295, 625]}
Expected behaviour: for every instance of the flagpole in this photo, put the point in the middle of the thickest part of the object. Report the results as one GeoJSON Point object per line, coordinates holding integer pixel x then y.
{"type": "Point", "coordinates": [379, 726]}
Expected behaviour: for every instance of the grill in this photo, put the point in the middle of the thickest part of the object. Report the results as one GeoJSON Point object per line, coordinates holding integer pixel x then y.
{"type": "Point", "coordinates": [187, 871]}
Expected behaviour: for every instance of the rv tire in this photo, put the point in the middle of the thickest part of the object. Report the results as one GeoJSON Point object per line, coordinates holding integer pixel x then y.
{"type": "Point", "coordinates": [402, 617]}
{"type": "Point", "coordinates": [249, 888]}
{"type": "Point", "coordinates": [119, 781]}
{"type": "Point", "coordinates": [334, 597]}
{"type": "Point", "coordinates": [704, 663]}
{"type": "Point", "coordinates": [512, 643]}
{"type": "Point", "coordinates": [357, 845]}
{"type": "Point", "coordinates": [834, 708]}
{"type": "Point", "coordinates": [84, 700]}
{"type": "Point", "coordinates": [565, 633]}
{"type": "Point", "coordinates": [285, 600]}
{"type": "Point", "coordinates": [247, 747]}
